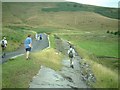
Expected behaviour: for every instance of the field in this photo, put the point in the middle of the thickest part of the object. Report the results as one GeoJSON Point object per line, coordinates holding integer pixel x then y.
{"type": "Point", "coordinates": [100, 44]}
{"type": "Point", "coordinates": [24, 70]}
{"type": "Point", "coordinates": [101, 52]}
{"type": "Point", "coordinates": [84, 26]}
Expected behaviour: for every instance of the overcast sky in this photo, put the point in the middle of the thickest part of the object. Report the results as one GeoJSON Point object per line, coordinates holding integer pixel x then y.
{"type": "Point", "coordinates": [105, 3]}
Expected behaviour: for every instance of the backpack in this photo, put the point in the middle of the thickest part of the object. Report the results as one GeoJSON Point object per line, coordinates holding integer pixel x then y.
{"type": "Point", "coordinates": [2, 44]}
{"type": "Point", "coordinates": [71, 54]}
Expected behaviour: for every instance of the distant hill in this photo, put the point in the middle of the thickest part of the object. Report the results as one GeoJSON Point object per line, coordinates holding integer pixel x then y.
{"type": "Point", "coordinates": [70, 6]}
{"type": "Point", "coordinates": [59, 15]}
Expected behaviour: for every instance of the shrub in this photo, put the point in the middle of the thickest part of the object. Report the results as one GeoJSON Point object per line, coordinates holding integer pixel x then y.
{"type": "Point", "coordinates": [115, 33]}
{"type": "Point", "coordinates": [111, 32]}
{"type": "Point", "coordinates": [74, 5]}
{"type": "Point", "coordinates": [108, 31]}
{"type": "Point", "coordinates": [67, 4]}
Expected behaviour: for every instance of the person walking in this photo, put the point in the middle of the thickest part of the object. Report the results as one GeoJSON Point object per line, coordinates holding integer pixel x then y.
{"type": "Point", "coordinates": [71, 53]}
{"type": "Point", "coordinates": [28, 46]}
{"type": "Point", "coordinates": [40, 36]}
{"type": "Point", "coordinates": [3, 45]}
{"type": "Point", "coordinates": [36, 36]}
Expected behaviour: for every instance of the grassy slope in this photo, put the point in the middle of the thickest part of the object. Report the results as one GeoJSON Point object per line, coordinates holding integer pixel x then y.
{"type": "Point", "coordinates": [15, 37]}
{"type": "Point", "coordinates": [31, 14]}
{"type": "Point", "coordinates": [24, 70]}
{"type": "Point", "coordinates": [100, 67]}
{"type": "Point", "coordinates": [101, 44]}
{"type": "Point", "coordinates": [70, 6]}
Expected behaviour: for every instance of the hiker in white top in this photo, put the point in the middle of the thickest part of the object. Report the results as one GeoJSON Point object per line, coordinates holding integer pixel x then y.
{"type": "Point", "coordinates": [3, 45]}
{"type": "Point", "coordinates": [36, 36]}
{"type": "Point", "coordinates": [71, 53]}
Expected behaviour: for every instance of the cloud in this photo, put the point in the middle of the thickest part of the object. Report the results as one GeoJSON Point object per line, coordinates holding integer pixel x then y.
{"type": "Point", "coordinates": [105, 3]}
{"type": "Point", "coordinates": [33, 0]}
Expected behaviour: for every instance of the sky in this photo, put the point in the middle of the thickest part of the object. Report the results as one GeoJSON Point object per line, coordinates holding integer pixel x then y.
{"type": "Point", "coordinates": [104, 3]}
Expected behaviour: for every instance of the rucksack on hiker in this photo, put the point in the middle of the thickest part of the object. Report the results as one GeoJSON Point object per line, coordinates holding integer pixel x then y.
{"type": "Point", "coordinates": [71, 54]}
{"type": "Point", "coordinates": [2, 44]}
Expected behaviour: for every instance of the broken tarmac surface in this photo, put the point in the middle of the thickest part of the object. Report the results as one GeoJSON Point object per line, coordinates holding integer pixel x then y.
{"type": "Point", "coordinates": [67, 77]}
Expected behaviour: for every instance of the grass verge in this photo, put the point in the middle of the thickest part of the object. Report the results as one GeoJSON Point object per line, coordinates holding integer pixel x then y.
{"type": "Point", "coordinates": [88, 47]}
{"type": "Point", "coordinates": [52, 40]}
{"type": "Point", "coordinates": [15, 37]}
{"type": "Point", "coordinates": [100, 44]}
{"type": "Point", "coordinates": [106, 77]}
{"type": "Point", "coordinates": [19, 72]}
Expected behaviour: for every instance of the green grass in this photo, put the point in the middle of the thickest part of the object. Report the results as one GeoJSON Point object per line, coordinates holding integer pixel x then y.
{"type": "Point", "coordinates": [15, 37]}
{"type": "Point", "coordinates": [19, 72]}
{"type": "Point", "coordinates": [99, 45]}
{"type": "Point", "coordinates": [111, 63]}
{"type": "Point", "coordinates": [100, 48]}
{"type": "Point", "coordinates": [92, 45]}
{"type": "Point", "coordinates": [0, 76]}
{"type": "Point", "coordinates": [52, 41]}
{"type": "Point", "coordinates": [44, 30]}
{"type": "Point", "coordinates": [49, 58]}
{"type": "Point", "coordinates": [83, 25]}
{"type": "Point", "coordinates": [106, 74]}
{"type": "Point", "coordinates": [106, 78]}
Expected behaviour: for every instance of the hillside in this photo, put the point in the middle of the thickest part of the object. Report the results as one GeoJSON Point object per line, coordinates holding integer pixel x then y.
{"type": "Point", "coordinates": [17, 17]}
{"type": "Point", "coordinates": [35, 15]}
{"type": "Point", "coordinates": [70, 6]}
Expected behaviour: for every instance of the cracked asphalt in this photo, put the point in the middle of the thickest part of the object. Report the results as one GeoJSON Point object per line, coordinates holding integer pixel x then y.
{"type": "Point", "coordinates": [67, 77]}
